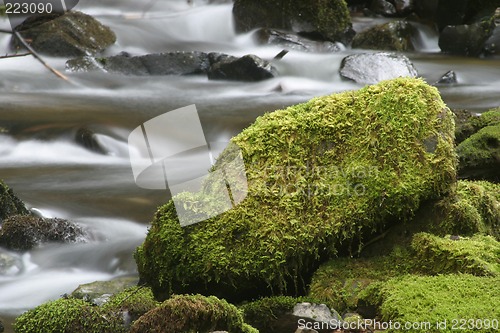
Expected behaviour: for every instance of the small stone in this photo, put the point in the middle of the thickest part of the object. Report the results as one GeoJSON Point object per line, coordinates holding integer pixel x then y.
{"type": "Point", "coordinates": [383, 7]}
{"type": "Point", "coordinates": [449, 77]}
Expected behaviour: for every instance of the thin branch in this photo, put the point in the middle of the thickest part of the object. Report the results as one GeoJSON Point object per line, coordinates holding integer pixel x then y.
{"type": "Point", "coordinates": [15, 55]}
{"type": "Point", "coordinates": [35, 54]}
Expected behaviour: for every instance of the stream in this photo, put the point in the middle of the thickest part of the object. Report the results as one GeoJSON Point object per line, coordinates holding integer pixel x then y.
{"type": "Point", "coordinates": [42, 163]}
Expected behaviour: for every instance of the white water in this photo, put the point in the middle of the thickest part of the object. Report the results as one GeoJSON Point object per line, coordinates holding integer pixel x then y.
{"type": "Point", "coordinates": [61, 179]}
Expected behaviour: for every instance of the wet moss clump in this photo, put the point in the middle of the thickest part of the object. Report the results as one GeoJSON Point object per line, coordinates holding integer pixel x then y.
{"type": "Point", "coordinates": [67, 315]}
{"type": "Point", "coordinates": [479, 155]}
{"type": "Point", "coordinates": [10, 204]}
{"type": "Point", "coordinates": [467, 123]}
{"type": "Point", "coordinates": [134, 301]}
{"type": "Point", "coordinates": [192, 313]}
{"type": "Point", "coordinates": [320, 175]}
{"type": "Point", "coordinates": [464, 302]}
{"type": "Point", "coordinates": [473, 207]}
{"type": "Point", "coordinates": [478, 255]}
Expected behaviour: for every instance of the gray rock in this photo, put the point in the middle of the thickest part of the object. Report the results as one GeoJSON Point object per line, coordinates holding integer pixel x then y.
{"type": "Point", "coordinates": [468, 40]}
{"type": "Point", "coordinates": [246, 68]}
{"type": "Point", "coordinates": [449, 77]}
{"type": "Point", "coordinates": [70, 35]}
{"type": "Point", "coordinates": [391, 36]}
{"type": "Point", "coordinates": [99, 292]}
{"type": "Point", "coordinates": [383, 7]}
{"type": "Point", "coordinates": [370, 68]}
{"type": "Point", "coordinates": [317, 312]}
{"type": "Point", "coordinates": [293, 42]}
{"type": "Point", "coordinates": [87, 139]}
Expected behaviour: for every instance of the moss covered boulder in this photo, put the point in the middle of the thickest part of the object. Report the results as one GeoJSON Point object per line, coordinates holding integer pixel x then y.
{"type": "Point", "coordinates": [478, 255]}
{"type": "Point", "coordinates": [10, 204]}
{"type": "Point", "coordinates": [391, 36]}
{"type": "Point", "coordinates": [468, 123]}
{"type": "Point", "coordinates": [324, 19]}
{"type": "Point", "coordinates": [444, 303]}
{"type": "Point", "coordinates": [192, 313]}
{"type": "Point", "coordinates": [320, 176]}
{"type": "Point", "coordinates": [479, 155]}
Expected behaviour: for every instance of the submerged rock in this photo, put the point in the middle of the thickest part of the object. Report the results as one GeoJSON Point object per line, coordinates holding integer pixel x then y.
{"type": "Point", "coordinates": [217, 66]}
{"type": "Point", "coordinates": [293, 42]}
{"type": "Point", "coordinates": [72, 34]}
{"type": "Point", "coordinates": [370, 68]}
{"type": "Point", "coordinates": [392, 36]}
{"type": "Point", "coordinates": [23, 232]}
{"type": "Point", "coordinates": [319, 175]}
{"type": "Point", "coordinates": [327, 20]}
{"type": "Point", "coordinates": [10, 263]}
{"type": "Point", "coordinates": [10, 204]}
{"type": "Point", "coordinates": [87, 139]}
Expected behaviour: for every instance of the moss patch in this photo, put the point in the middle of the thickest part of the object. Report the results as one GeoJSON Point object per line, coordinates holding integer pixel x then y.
{"type": "Point", "coordinates": [10, 204]}
{"type": "Point", "coordinates": [320, 175]}
{"type": "Point", "coordinates": [477, 255]}
{"type": "Point", "coordinates": [192, 313]}
{"type": "Point", "coordinates": [67, 315]}
{"type": "Point", "coordinates": [391, 36]}
{"type": "Point", "coordinates": [431, 299]}
{"type": "Point", "coordinates": [479, 155]}
{"type": "Point", "coordinates": [468, 123]}
{"type": "Point", "coordinates": [135, 301]}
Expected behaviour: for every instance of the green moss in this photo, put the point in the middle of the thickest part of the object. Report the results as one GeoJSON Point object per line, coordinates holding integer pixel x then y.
{"type": "Point", "coordinates": [320, 175]}
{"type": "Point", "coordinates": [340, 281]}
{"type": "Point", "coordinates": [479, 155]}
{"type": "Point", "coordinates": [10, 204]}
{"type": "Point", "coordinates": [67, 315]}
{"type": "Point", "coordinates": [192, 313]}
{"type": "Point", "coordinates": [136, 301]}
{"type": "Point", "coordinates": [474, 207]}
{"type": "Point", "coordinates": [392, 36]}
{"type": "Point", "coordinates": [478, 255]}
{"type": "Point", "coordinates": [431, 299]}
{"type": "Point", "coordinates": [264, 314]}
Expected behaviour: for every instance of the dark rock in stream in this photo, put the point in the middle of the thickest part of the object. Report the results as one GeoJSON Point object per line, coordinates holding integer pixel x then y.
{"type": "Point", "coordinates": [217, 66]}
{"type": "Point", "coordinates": [383, 7]}
{"type": "Point", "coordinates": [10, 204]}
{"type": "Point", "coordinates": [370, 68]}
{"type": "Point", "coordinates": [449, 77]}
{"type": "Point", "coordinates": [70, 35]}
{"type": "Point", "coordinates": [246, 68]}
{"type": "Point", "coordinates": [293, 41]}
{"type": "Point", "coordinates": [87, 139]}
{"type": "Point", "coordinates": [468, 40]}
{"type": "Point", "coordinates": [391, 36]}
{"type": "Point", "coordinates": [24, 232]}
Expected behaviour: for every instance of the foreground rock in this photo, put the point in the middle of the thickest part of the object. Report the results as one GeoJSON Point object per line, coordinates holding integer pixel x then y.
{"type": "Point", "coordinates": [99, 292]}
{"type": "Point", "coordinates": [70, 35]}
{"type": "Point", "coordinates": [346, 157]}
{"type": "Point", "coordinates": [23, 232]}
{"type": "Point", "coordinates": [10, 204]}
{"type": "Point", "coordinates": [393, 36]}
{"type": "Point", "coordinates": [370, 68]}
{"type": "Point", "coordinates": [217, 66]}
{"type": "Point", "coordinates": [327, 20]}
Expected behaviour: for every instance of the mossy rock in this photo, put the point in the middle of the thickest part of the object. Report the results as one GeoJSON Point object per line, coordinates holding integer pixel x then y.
{"type": "Point", "coordinates": [99, 292]}
{"type": "Point", "coordinates": [467, 123]}
{"type": "Point", "coordinates": [391, 36]}
{"type": "Point", "coordinates": [10, 204]}
{"type": "Point", "coordinates": [478, 255]}
{"type": "Point", "coordinates": [190, 314]}
{"type": "Point", "coordinates": [324, 19]}
{"type": "Point", "coordinates": [134, 302]}
{"type": "Point", "coordinates": [452, 298]}
{"type": "Point", "coordinates": [479, 155]}
{"type": "Point", "coordinates": [340, 281]}
{"type": "Point", "coordinates": [320, 175]}
{"type": "Point", "coordinates": [67, 315]}
{"type": "Point", "coordinates": [24, 232]}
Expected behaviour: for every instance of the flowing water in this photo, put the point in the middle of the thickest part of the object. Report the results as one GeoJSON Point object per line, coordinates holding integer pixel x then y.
{"type": "Point", "coordinates": [55, 176]}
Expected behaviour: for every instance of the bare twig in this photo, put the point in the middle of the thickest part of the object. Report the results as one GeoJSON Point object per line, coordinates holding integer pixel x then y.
{"type": "Point", "coordinates": [15, 55]}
